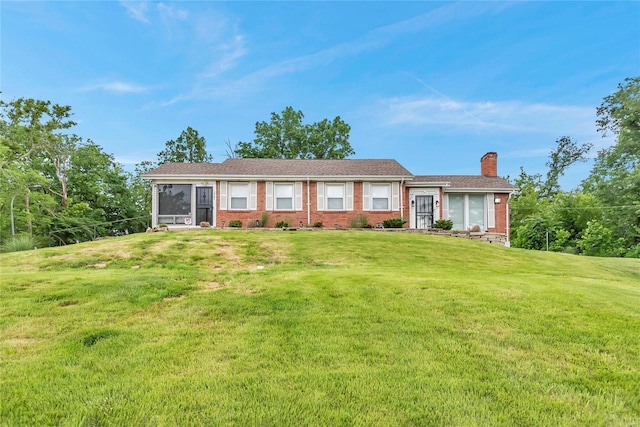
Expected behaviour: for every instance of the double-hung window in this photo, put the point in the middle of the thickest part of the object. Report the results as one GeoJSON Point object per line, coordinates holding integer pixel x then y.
{"type": "Point", "coordinates": [239, 196]}
{"type": "Point", "coordinates": [335, 196]}
{"type": "Point", "coordinates": [284, 196]}
{"type": "Point", "coordinates": [380, 196]}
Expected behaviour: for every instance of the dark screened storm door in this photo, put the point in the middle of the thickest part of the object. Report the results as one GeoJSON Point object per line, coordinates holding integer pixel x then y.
{"type": "Point", "coordinates": [424, 211]}
{"type": "Point", "coordinates": [204, 204]}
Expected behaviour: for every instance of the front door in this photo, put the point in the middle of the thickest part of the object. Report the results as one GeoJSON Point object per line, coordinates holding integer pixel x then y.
{"type": "Point", "coordinates": [424, 211]}
{"type": "Point", "coordinates": [204, 205]}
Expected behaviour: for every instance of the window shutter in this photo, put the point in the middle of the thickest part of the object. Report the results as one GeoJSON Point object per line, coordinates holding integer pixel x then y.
{"type": "Point", "coordinates": [269, 199]}
{"type": "Point", "coordinates": [253, 195]}
{"type": "Point", "coordinates": [223, 195]}
{"type": "Point", "coordinates": [445, 206]}
{"type": "Point", "coordinates": [366, 196]}
{"type": "Point", "coordinates": [491, 211]}
{"type": "Point", "coordinates": [320, 193]}
{"type": "Point", "coordinates": [395, 196]}
{"type": "Point", "coordinates": [297, 196]}
{"type": "Point", "coordinates": [349, 196]}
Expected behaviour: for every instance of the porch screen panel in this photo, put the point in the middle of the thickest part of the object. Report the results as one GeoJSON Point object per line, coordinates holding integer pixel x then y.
{"type": "Point", "coordinates": [476, 210]}
{"type": "Point", "coordinates": [174, 199]}
{"type": "Point", "coordinates": [456, 210]}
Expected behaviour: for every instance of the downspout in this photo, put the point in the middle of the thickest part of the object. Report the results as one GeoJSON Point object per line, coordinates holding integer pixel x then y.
{"type": "Point", "coordinates": [308, 203]}
{"type": "Point", "coordinates": [402, 198]}
{"type": "Point", "coordinates": [508, 223]}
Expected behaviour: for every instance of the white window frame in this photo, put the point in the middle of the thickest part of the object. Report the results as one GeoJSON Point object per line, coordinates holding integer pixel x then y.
{"type": "Point", "coordinates": [226, 190]}
{"type": "Point", "coordinates": [323, 199]}
{"type": "Point", "coordinates": [246, 189]}
{"type": "Point", "coordinates": [342, 198]}
{"type": "Point", "coordinates": [271, 199]}
{"type": "Point", "coordinates": [393, 196]}
{"type": "Point", "coordinates": [277, 198]}
{"type": "Point", "coordinates": [387, 187]}
{"type": "Point", "coordinates": [487, 209]}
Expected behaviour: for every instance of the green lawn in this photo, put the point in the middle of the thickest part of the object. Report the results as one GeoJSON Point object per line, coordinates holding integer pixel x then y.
{"type": "Point", "coordinates": [316, 328]}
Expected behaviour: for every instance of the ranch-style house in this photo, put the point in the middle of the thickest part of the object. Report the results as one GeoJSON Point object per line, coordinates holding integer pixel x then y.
{"type": "Point", "coordinates": [304, 192]}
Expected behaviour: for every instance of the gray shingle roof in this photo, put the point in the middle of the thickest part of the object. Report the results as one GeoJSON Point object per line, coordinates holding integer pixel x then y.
{"type": "Point", "coordinates": [466, 181]}
{"type": "Point", "coordinates": [324, 168]}
{"type": "Point", "coordinates": [288, 167]}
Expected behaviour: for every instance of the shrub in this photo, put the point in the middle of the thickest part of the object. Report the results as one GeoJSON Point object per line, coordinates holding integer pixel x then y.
{"type": "Point", "coordinates": [598, 240]}
{"type": "Point", "coordinates": [283, 224]}
{"type": "Point", "coordinates": [359, 221]}
{"type": "Point", "coordinates": [317, 224]}
{"type": "Point", "coordinates": [23, 242]}
{"type": "Point", "coordinates": [394, 223]}
{"type": "Point", "coordinates": [236, 223]}
{"type": "Point", "coordinates": [264, 219]}
{"type": "Point", "coordinates": [443, 224]}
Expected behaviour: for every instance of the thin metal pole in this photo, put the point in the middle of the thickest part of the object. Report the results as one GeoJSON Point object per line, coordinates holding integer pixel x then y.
{"type": "Point", "coordinates": [547, 240]}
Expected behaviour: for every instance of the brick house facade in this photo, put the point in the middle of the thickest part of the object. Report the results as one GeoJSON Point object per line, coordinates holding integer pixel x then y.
{"type": "Point", "coordinates": [338, 193]}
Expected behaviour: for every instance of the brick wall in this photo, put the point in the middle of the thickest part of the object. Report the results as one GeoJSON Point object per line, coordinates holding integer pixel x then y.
{"type": "Point", "coordinates": [329, 219]}
{"type": "Point", "coordinates": [489, 164]}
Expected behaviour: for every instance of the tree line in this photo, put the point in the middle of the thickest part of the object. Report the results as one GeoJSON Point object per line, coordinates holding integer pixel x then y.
{"type": "Point", "coordinates": [602, 216]}
{"type": "Point", "coordinates": [58, 188]}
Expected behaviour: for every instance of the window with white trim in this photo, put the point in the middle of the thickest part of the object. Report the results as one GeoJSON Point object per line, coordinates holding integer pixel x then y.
{"type": "Point", "coordinates": [380, 196]}
{"type": "Point", "coordinates": [467, 211]}
{"type": "Point", "coordinates": [239, 196]}
{"type": "Point", "coordinates": [335, 196]}
{"type": "Point", "coordinates": [283, 196]}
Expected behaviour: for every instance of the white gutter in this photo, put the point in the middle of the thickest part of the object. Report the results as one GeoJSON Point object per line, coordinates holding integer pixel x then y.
{"type": "Point", "coordinates": [308, 203]}
{"type": "Point", "coordinates": [508, 214]}
{"type": "Point", "coordinates": [402, 198]}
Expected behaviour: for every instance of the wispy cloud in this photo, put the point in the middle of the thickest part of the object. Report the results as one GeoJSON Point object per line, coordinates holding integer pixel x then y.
{"type": "Point", "coordinates": [137, 10]}
{"type": "Point", "coordinates": [486, 116]}
{"type": "Point", "coordinates": [372, 40]}
{"type": "Point", "coordinates": [225, 57]}
{"type": "Point", "coordinates": [172, 18]}
{"type": "Point", "coordinates": [116, 86]}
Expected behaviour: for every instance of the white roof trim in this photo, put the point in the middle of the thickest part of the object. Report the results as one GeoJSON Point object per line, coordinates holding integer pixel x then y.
{"type": "Point", "coordinates": [384, 178]}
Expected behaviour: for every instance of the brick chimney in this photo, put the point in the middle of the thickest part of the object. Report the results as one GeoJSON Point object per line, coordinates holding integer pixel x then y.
{"type": "Point", "coordinates": [489, 164]}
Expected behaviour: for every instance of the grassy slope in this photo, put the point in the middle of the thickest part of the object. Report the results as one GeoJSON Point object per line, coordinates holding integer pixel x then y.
{"type": "Point", "coordinates": [338, 328]}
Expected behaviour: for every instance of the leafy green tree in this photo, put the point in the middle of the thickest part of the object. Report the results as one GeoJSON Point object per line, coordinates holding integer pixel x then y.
{"type": "Point", "coordinates": [189, 147]}
{"type": "Point", "coordinates": [286, 137]}
{"type": "Point", "coordinates": [615, 177]}
{"type": "Point", "coordinates": [561, 157]}
{"type": "Point", "coordinates": [50, 179]}
{"type": "Point", "coordinates": [34, 153]}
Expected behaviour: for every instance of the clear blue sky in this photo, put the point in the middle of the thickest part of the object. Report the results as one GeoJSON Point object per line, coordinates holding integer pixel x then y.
{"type": "Point", "coordinates": [433, 85]}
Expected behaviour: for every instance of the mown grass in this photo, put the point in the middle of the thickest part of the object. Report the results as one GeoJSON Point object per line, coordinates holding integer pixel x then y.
{"type": "Point", "coordinates": [320, 328]}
